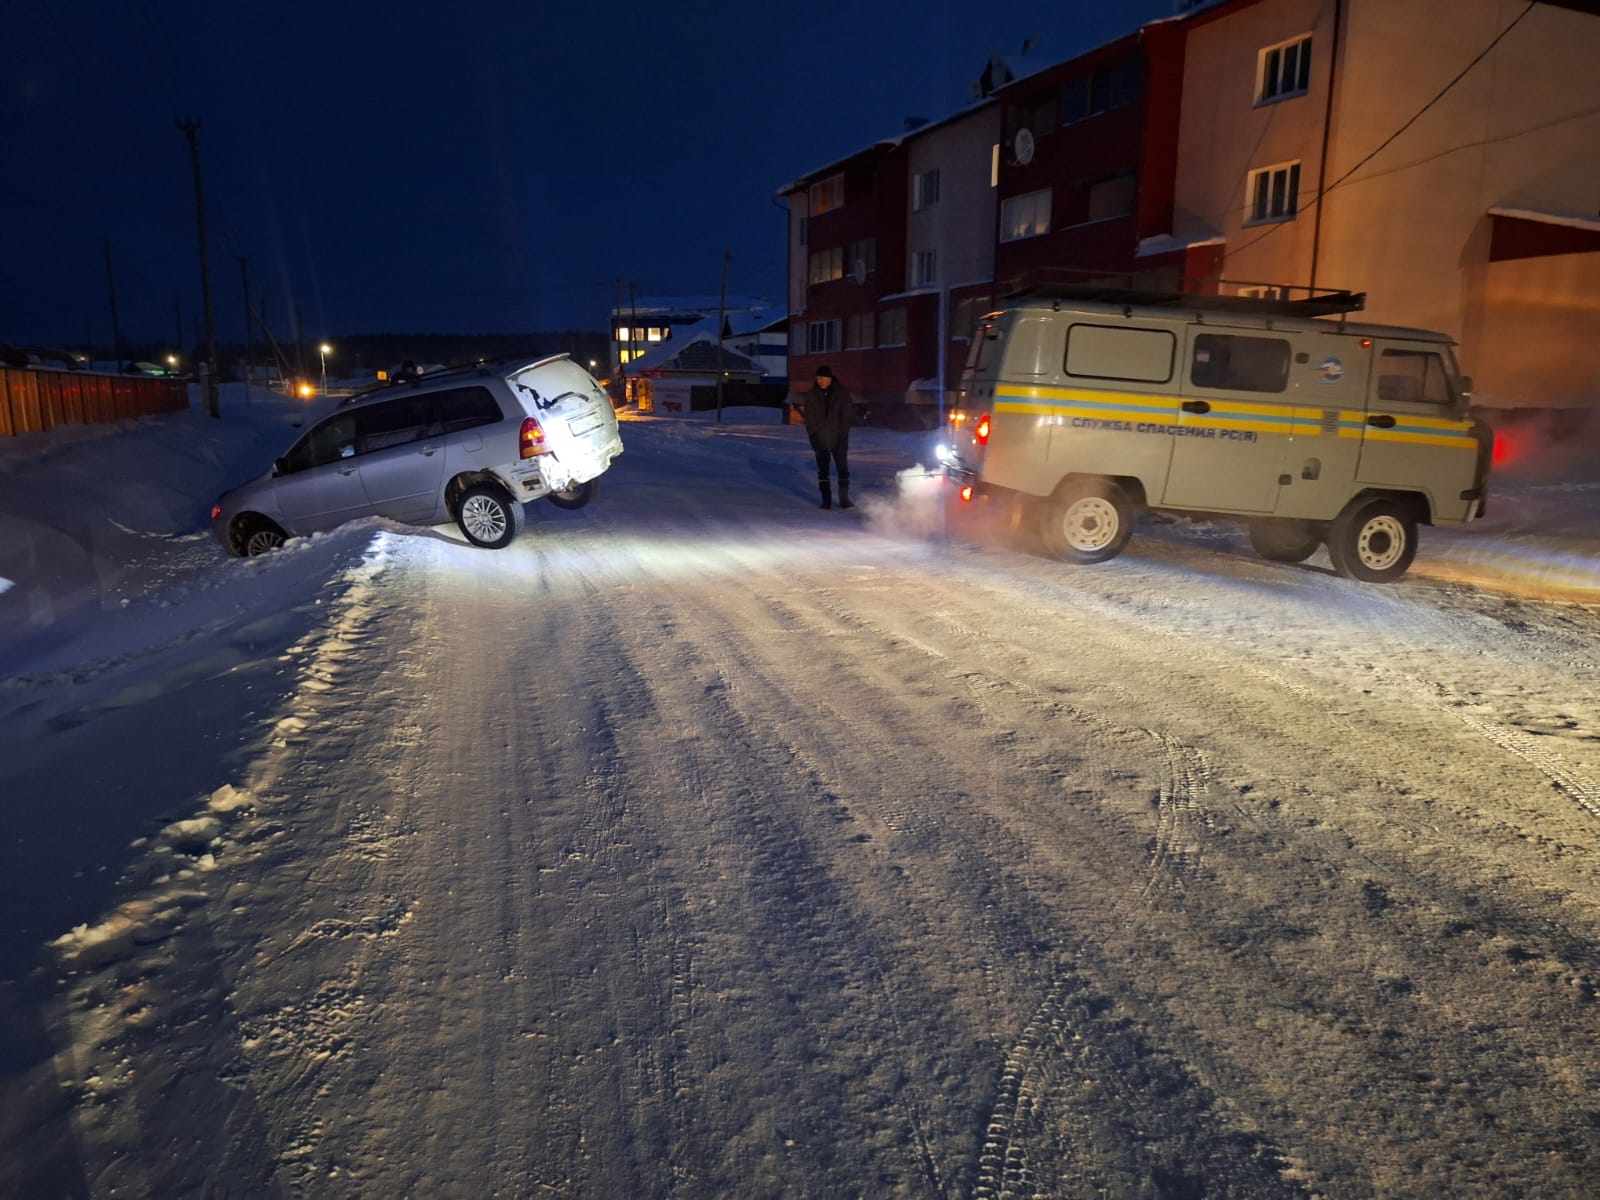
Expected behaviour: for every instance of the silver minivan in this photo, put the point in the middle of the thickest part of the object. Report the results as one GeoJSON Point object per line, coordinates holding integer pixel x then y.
{"type": "Point", "coordinates": [468, 445]}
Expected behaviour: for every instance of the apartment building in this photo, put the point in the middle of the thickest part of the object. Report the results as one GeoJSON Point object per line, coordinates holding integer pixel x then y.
{"type": "Point", "coordinates": [1435, 154]}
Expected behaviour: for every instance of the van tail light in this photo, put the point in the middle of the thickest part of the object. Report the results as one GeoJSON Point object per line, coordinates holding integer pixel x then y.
{"type": "Point", "coordinates": [532, 440]}
{"type": "Point", "coordinates": [966, 492]}
{"type": "Point", "coordinates": [982, 431]}
{"type": "Point", "coordinates": [216, 511]}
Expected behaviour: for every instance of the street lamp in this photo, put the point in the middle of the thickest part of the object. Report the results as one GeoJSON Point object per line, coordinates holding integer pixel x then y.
{"type": "Point", "coordinates": [324, 350]}
{"type": "Point", "coordinates": [172, 363]}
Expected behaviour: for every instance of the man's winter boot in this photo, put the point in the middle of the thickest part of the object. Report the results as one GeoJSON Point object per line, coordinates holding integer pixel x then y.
{"type": "Point", "coordinates": [844, 494]}
{"type": "Point", "coordinates": [827, 494]}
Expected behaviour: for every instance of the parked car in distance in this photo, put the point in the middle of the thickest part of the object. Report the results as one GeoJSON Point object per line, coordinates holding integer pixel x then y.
{"type": "Point", "coordinates": [469, 445]}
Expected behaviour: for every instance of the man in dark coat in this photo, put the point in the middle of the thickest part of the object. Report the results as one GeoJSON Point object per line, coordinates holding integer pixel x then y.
{"type": "Point", "coordinates": [829, 415]}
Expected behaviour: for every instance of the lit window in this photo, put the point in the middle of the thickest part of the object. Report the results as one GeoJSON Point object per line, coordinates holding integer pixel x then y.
{"type": "Point", "coordinates": [1284, 70]}
{"type": "Point", "coordinates": [1025, 216]}
{"type": "Point", "coordinates": [652, 334]}
{"type": "Point", "coordinates": [827, 265]}
{"type": "Point", "coordinates": [1273, 194]}
{"type": "Point", "coordinates": [827, 194]}
{"type": "Point", "coordinates": [924, 268]}
{"type": "Point", "coordinates": [925, 190]}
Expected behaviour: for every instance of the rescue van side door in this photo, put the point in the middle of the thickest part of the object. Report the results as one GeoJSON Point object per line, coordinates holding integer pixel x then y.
{"type": "Point", "coordinates": [1416, 436]}
{"type": "Point", "coordinates": [1319, 460]}
{"type": "Point", "coordinates": [1232, 422]}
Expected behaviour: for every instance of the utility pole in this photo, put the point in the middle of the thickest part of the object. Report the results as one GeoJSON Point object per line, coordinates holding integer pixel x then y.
{"type": "Point", "coordinates": [111, 290]}
{"type": "Point", "coordinates": [633, 325]}
{"type": "Point", "coordinates": [249, 352]}
{"type": "Point", "coordinates": [177, 321]}
{"type": "Point", "coordinates": [722, 309]}
{"type": "Point", "coordinates": [191, 129]}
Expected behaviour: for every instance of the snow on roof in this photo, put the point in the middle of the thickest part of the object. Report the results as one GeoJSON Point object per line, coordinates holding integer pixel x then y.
{"type": "Point", "coordinates": [650, 306]}
{"type": "Point", "coordinates": [683, 352]}
{"type": "Point", "coordinates": [1565, 220]}
{"type": "Point", "coordinates": [1166, 243]}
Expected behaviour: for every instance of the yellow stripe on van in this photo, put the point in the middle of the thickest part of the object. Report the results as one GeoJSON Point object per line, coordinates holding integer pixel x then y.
{"type": "Point", "coordinates": [1287, 418]}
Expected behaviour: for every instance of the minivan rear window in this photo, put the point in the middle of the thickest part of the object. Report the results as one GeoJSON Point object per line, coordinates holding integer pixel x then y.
{"type": "Point", "coordinates": [1236, 363]}
{"type": "Point", "coordinates": [1120, 353]}
{"type": "Point", "coordinates": [466, 408]}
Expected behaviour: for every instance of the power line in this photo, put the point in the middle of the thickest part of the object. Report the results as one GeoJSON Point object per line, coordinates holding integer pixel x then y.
{"type": "Point", "coordinates": [1388, 141]}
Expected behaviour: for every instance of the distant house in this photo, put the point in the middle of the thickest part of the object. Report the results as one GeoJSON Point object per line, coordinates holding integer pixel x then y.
{"type": "Point", "coordinates": [675, 338]}
{"type": "Point", "coordinates": [669, 379]}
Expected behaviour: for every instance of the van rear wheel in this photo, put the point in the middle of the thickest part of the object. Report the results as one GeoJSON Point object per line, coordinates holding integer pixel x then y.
{"type": "Point", "coordinates": [1089, 521]}
{"type": "Point", "coordinates": [1283, 540]}
{"type": "Point", "coordinates": [1373, 540]}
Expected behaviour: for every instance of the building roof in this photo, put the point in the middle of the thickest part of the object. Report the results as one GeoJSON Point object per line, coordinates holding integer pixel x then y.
{"type": "Point", "coordinates": [1565, 220]}
{"type": "Point", "coordinates": [657, 306]}
{"type": "Point", "coordinates": [696, 355]}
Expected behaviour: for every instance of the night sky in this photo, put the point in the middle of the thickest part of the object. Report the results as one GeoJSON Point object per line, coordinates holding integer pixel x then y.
{"type": "Point", "coordinates": [469, 167]}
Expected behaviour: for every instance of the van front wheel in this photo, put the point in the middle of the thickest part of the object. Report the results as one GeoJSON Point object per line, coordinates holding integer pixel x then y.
{"type": "Point", "coordinates": [1283, 540]}
{"type": "Point", "coordinates": [1088, 522]}
{"type": "Point", "coordinates": [1373, 541]}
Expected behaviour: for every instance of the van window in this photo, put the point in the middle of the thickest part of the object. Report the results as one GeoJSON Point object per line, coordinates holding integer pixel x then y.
{"type": "Point", "coordinates": [396, 422]}
{"type": "Point", "coordinates": [1117, 352]}
{"type": "Point", "coordinates": [1412, 377]}
{"type": "Point", "coordinates": [1240, 364]}
{"type": "Point", "coordinates": [466, 408]}
{"type": "Point", "coordinates": [984, 342]}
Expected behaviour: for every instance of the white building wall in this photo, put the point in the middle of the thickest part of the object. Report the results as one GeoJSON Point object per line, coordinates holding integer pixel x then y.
{"type": "Point", "coordinates": [960, 228]}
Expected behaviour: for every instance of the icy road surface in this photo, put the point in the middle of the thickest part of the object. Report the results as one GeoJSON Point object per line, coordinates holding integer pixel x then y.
{"type": "Point", "coordinates": [704, 844]}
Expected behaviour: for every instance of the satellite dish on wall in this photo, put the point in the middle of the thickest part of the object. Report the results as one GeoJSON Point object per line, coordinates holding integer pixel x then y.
{"type": "Point", "coordinates": [1022, 146]}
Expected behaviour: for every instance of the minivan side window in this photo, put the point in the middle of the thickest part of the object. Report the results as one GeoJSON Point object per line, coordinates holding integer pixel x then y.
{"type": "Point", "coordinates": [328, 442]}
{"type": "Point", "coordinates": [394, 422]}
{"type": "Point", "coordinates": [1235, 363]}
{"type": "Point", "coordinates": [467, 408]}
{"type": "Point", "coordinates": [1119, 353]}
{"type": "Point", "coordinates": [1412, 376]}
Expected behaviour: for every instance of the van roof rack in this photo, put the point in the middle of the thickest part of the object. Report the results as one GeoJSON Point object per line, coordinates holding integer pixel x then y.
{"type": "Point", "coordinates": [1271, 300]}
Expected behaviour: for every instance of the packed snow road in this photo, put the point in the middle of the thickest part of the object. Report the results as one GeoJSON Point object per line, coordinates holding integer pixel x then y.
{"type": "Point", "coordinates": [705, 844]}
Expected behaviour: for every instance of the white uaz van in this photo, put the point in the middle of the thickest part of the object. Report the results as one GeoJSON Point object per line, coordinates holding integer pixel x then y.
{"type": "Point", "coordinates": [1312, 430]}
{"type": "Point", "coordinates": [468, 445]}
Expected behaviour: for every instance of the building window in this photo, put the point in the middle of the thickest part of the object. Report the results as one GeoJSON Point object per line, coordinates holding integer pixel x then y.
{"type": "Point", "coordinates": [822, 337]}
{"type": "Point", "coordinates": [925, 190]}
{"type": "Point", "coordinates": [827, 265]}
{"type": "Point", "coordinates": [863, 257]}
{"type": "Point", "coordinates": [1025, 216]}
{"type": "Point", "coordinates": [655, 334]}
{"type": "Point", "coordinates": [827, 195]}
{"type": "Point", "coordinates": [1240, 364]}
{"type": "Point", "coordinates": [1273, 194]}
{"type": "Point", "coordinates": [1108, 88]}
{"type": "Point", "coordinates": [965, 315]}
{"type": "Point", "coordinates": [1284, 71]}
{"type": "Point", "coordinates": [924, 268]}
{"type": "Point", "coordinates": [858, 332]}
{"type": "Point", "coordinates": [1111, 197]}
{"type": "Point", "coordinates": [892, 327]}
{"type": "Point", "coordinates": [1037, 117]}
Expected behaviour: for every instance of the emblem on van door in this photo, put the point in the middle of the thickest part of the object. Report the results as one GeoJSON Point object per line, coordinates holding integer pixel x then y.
{"type": "Point", "coordinates": [1330, 370]}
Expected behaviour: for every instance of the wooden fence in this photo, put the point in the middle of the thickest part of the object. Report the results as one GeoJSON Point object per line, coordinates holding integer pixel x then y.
{"type": "Point", "coordinates": [32, 401]}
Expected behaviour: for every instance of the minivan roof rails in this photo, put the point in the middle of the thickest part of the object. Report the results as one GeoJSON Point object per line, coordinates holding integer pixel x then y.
{"type": "Point", "coordinates": [1277, 300]}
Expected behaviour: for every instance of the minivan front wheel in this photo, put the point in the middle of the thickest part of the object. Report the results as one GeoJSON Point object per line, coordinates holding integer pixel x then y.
{"type": "Point", "coordinates": [1373, 541]}
{"type": "Point", "coordinates": [575, 496]}
{"type": "Point", "coordinates": [488, 516]}
{"type": "Point", "coordinates": [1090, 521]}
{"type": "Point", "coordinates": [256, 536]}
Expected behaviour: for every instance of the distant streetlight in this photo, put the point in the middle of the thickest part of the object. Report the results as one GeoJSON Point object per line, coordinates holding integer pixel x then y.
{"type": "Point", "coordinates": [324, 350]}
{"type": "Point", "coordinates": [592, 365]}
{"type": "Point", "coordinates": [172, 361]}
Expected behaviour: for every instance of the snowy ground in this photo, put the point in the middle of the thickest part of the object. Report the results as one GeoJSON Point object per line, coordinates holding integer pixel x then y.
{"type": "Point", "coordinates": [705, 844]}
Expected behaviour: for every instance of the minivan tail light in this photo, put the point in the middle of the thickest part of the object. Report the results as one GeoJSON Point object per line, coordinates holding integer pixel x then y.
{"type": "Point", "coordinates": [982, 431]}
{"type": "Point", "coordinates": [532, 440]}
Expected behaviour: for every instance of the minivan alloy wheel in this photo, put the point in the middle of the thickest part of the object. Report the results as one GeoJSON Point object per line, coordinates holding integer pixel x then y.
{"type": "Point", "coordinates": [489, 517]}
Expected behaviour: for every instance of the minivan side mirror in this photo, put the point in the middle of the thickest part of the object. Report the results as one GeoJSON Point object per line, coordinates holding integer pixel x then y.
{"type": "Point", "coordinates": [1466, 386]}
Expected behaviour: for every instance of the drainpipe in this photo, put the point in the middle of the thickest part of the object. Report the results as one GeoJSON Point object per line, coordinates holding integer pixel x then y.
{"type": "Point", "coordinates": [1327, 134]}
